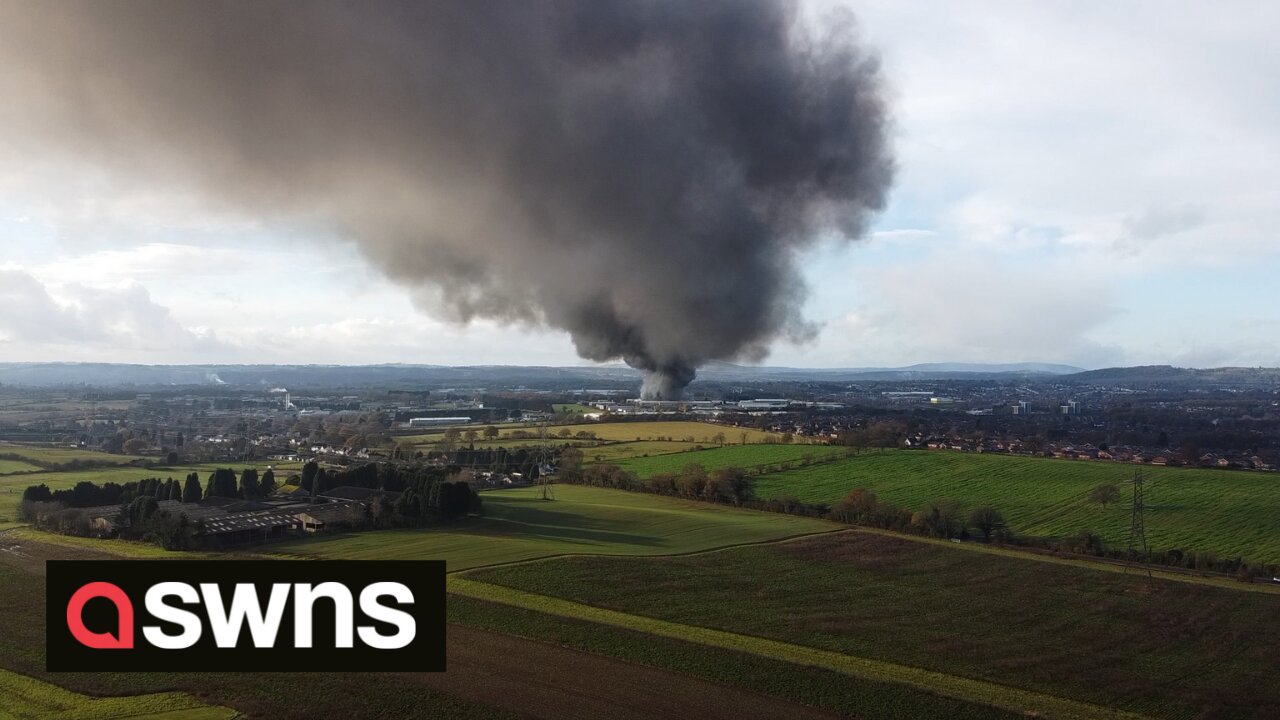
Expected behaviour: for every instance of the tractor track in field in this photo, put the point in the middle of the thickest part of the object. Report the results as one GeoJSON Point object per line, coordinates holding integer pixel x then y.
{"type": "Point", "coordinates": [540, 680]}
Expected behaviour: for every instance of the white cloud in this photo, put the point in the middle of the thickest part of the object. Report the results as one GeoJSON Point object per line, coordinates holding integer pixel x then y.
{"type": "Point", "coordinates": [963, 308]}
{"type": "Point", "coordinates": [77, 322]}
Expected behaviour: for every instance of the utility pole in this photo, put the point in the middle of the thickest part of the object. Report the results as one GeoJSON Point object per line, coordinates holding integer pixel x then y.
{"type": "Point", "coordinates": [1137, 527]}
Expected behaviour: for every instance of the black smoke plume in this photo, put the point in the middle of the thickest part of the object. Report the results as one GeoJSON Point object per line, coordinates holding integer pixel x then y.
{"type": "Point", "coordinates": [641, 174]}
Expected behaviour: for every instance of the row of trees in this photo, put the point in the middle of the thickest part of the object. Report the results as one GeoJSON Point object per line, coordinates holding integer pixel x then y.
{"type": "Point", "coordinates": [425, 490]}
{"type": "Point", "coordinates": [724, 485]}
{"type": "Point", "coordinates": [221, 483]}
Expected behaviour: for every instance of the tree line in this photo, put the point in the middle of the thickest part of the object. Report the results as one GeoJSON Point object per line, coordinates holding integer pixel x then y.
{"type": "Point", "coordinates": [939, 519]}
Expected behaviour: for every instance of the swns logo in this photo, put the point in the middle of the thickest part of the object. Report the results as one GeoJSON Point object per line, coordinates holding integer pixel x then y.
{"type": "Point", "coordinates": [251, 615]}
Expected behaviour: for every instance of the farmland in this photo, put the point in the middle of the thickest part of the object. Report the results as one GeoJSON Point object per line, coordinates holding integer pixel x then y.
{"type": "Point", "coordinates": [268, 695]}
{"type": "Point", "coordinates": [683, 431]}
{"type": "Point", "coordinates": [613, 452]}
{"type": "Point", "coordinates": [11, 486]}
{"type": "Point", "coordinates": [16, 466]}
{"type": "Point", "coordinates": [743, 456]}
{"type": "Point", "coordinates": [1230, 513]}
{"type": "Point", "coordinates": [581, 520]}
{"type": "Point", "coordinates": [801, 683]}
{"type": "Point", "coordinates": [49, 455]}
{"type": "Point", "coordinates": [1102, 638]}
{"type": "Point", "coordinates": [697, 432]}
{"type": "Point", "coordinates": [572, 408]}
{"type": "Point", "coordinates": [24, 697]}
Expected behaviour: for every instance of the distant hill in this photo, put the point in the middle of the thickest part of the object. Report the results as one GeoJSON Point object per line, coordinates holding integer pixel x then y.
{"type": "Point", "coordinates": [923, 371]}
{"type": "Point", "coordinates": [609, 376]}
{"type": "Point", "coordinates": [1169, 375]}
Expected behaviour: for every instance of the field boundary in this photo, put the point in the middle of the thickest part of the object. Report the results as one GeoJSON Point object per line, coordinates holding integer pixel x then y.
{"type": "Point", "coordinates": [1032, 704]}
{"type": "Point", "coordinates": [1085, 562]}
{"type": "Point", "coordinates": [719, 548]}
{"type": "Point", "coordinates": [25, 696]}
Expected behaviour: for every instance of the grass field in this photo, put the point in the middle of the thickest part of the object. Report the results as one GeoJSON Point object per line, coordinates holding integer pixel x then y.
{"type": "Point", "coordinates": [1230, 513]}
{"type": "Point", "coordinates": [683, 431]}
{"type": "Point", "coordinates": [696, 432]}
{"type": "Point", "coordinates": [15, 466]}
{"type": "Point", "coordinates": [573, 408]}
{"type": "Point", "coordinates": [23, 697]}
{"type": "Point", "coordinates": [614, 452]}
{"type": "Point", "coordinates": [519, 526]}
{"type": "Point", "coordinates": [11, 486]}
{"type": "Point", "coordinates": [47, 454]}
{"type": "Point", "coordinates": [1172, 650]}
{"type": "Point", "coordinates": [743, 456]}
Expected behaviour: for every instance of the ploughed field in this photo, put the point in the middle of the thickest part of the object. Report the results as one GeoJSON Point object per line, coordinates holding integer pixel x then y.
{"type": "Point", "coordinates": [1165, 649]}
{"type": "Point", "coordinates": [1232, 513]}
{"type": "Point", "coordinates": [519, 525]}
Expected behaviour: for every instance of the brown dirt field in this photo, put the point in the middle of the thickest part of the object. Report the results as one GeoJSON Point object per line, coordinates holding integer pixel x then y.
{"type": "Point", "coordinates": [539, 680]}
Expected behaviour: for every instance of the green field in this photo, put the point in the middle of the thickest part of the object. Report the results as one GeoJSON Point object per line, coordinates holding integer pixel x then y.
{"type": "Point", "coordinates": [697, 432]}
{"type": "Point", "coordinates": [57, 455]}
{"type": "Point", "coordinates": [581, 520]}
{"type": "Point", "coordinates": [23, 697]}
{"type": "Point", "coordinates": [742, 456]}
{"type": "Point", "coordinates": [1167, 649]}
{"type": "Point", "coordinates": [613, 452]}
{"type": "Point", "coordinates": [11, 486]}
{"type": "Point", "coordinates": [573, 408]}
{"type": "Point", "coordinates": [16, 466]}
{"type": "Point", "coordinates": [1230, 513]}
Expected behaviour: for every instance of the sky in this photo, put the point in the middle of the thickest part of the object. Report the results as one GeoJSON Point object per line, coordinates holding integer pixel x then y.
{"type": "Point", "coordinates": [1082, 183]}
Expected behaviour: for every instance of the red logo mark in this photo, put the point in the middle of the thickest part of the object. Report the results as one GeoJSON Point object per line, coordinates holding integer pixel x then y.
{"type": "Point", "coordinates": [123, 639]}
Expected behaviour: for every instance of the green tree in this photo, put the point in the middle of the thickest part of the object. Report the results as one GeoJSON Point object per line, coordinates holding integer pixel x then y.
{"type": "Point", "coordinates": [222, 483]}
{"type": "Point", "coordinates": [309, 472]}
{"type": "Point", "coordinates": [1105, 494]}
{"type": "Point", "coordinates": [191, 490]}
{"type": "Point", "coordinates": [490, 432]}
{"type": "Point", "coordinates": [141, 510]}
{"type": "Point", "coordinates": [988, 521]}
{"type": "Point", "coordinates": [249, 486]}
{"type": "Point", "coordinates": [267, 487]}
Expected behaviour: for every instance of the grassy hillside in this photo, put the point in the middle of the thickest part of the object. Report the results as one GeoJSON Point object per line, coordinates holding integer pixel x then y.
{"type": "Point", "coordinates": [520, 526]}
{"type": "Point", "coordinates": [743, 456]}
{"type": "Point", "coordinates": [1231, 513]}
{"type": "Point", "coordinates": [1168, 649]}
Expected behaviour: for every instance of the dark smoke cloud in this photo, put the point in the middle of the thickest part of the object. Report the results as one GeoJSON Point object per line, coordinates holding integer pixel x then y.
{"type": "Point", "coordinates": [641, 174]}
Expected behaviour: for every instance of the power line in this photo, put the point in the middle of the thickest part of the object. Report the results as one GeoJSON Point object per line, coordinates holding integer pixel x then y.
{"type": "Point", "coordinates": [1138, 527]}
